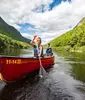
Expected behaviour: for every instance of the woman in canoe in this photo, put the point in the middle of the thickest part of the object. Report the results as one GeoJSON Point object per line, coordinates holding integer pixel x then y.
{"type": "Point", "coordinates": [38, 48]}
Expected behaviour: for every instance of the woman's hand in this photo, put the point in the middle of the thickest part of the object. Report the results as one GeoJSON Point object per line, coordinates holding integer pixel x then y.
{"type": "Point", "coordinates": [34, 37]}
{"type": "Point", "coordinates": [39, 54]}
{"type": "Point", "coordinates": [33, 41]}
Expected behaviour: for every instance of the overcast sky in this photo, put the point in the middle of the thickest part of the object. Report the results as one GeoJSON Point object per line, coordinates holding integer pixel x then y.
{"type": "Point", "coordinates": [45, 18]}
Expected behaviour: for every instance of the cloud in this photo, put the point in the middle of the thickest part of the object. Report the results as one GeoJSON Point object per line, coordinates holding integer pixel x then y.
{"type": "Point", "coordinates": [49, 24]}
{"type": "Point", "coordinates": [29, 36]}
{"type": "Point", "coordinates": [18, 11]}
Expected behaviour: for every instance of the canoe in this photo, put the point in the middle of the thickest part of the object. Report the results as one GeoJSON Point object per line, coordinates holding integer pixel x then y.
{"type": "Point", "coordinates": [13, 68]}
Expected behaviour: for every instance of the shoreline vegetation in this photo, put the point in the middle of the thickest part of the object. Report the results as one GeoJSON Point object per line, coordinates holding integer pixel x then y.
{"type": "Point", "coordinates": [69, 49]}
{"type": "Point", "coordinates": [73, 40]}
{"type": "Point", "coordinates": [8, 42]}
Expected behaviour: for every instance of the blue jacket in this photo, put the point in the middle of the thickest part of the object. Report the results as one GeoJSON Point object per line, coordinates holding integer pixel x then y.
{"type": "Point", "coordinates": [49, 51]}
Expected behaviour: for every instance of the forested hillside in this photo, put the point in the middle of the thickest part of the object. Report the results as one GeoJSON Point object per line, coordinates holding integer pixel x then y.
{"type": "Point", "coordinates": [6, 42]}
{"type": "Point", "coordinates": [10, 31]}
{"type": "Point", "coordinates": [73, 39]}
{"type": "Point", "coordinates": [11, 37]}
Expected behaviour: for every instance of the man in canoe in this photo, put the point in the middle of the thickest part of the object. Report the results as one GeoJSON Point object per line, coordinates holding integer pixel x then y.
{"type": "Point", "coordinates": [38, 48]}
{"type": "Point", "coordinates": [49, 50]}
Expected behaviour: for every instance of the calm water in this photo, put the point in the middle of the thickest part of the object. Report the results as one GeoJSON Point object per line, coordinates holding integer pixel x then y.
{"type": "Point", "coordinates": [64, 81]}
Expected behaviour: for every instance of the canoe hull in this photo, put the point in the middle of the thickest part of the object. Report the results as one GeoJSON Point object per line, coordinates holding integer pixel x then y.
{"type": "Point", "coordinates": [12, 68]}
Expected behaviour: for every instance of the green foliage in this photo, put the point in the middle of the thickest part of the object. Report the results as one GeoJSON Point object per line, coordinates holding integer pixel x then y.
{"type": "Point", "coordinates": [6, 42]}
{"type": "Point", "coordinates": [73, 38]}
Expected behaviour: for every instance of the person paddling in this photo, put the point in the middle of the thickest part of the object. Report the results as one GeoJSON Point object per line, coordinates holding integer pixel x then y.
{"type": "Point", "coordinates": [37, 46]}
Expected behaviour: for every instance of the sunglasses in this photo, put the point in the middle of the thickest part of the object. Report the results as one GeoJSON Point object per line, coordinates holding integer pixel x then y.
{"type": "Point", "coordinates": [38, 40]}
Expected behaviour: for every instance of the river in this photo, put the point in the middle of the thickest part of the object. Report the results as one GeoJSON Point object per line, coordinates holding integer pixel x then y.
{"type": "Point", "coordinates": [64, 81]}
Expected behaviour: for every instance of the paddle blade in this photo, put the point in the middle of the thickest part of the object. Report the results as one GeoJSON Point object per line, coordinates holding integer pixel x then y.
{"type": "Point", "coordinates": [42, 71]}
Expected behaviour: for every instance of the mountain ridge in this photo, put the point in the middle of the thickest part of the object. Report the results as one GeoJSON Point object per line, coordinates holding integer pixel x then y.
{"type": "Point", "coordinates": [73, 39]}
{"type": "Point", "coordinates": [12, 32]}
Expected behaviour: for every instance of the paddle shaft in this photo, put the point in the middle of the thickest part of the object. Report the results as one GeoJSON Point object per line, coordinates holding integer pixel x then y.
{"type": "Point", "coordinates": [39, 57]}
{"type": "Point", "coordinates": [40, 61]}
{"type": "Point", "coordinates": [42, 70]}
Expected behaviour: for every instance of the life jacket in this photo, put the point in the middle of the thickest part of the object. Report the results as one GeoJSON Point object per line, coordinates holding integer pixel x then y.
{"type": "Point", "coordinates": [36, 50]}
{"type": "Point", "coordinates": [49, 51]}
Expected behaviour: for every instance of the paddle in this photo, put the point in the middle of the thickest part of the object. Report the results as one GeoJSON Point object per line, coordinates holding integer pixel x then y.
{"type": "Point", "coordinates": [42, 71]}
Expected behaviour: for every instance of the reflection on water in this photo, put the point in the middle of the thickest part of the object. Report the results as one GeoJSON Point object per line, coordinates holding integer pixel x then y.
{"type": "Point", "coordinates": [64, 81]}
{"type": "Point", "coordinates": [78, 72]}
{"type": "Point", "coordinates": [77, 63]}
{"type": "Point", "coordinates": [10, 52]}
{"type": "Point", "coordinates": [17, 52]}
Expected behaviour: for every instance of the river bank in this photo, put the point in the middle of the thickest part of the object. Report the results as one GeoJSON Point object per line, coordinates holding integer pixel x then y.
{"type": "Point", "coordinates": [70, 49]}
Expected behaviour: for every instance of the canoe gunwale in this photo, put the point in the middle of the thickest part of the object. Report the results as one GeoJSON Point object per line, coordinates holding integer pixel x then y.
{"type": "Point", "coordinates": [16, 57]}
